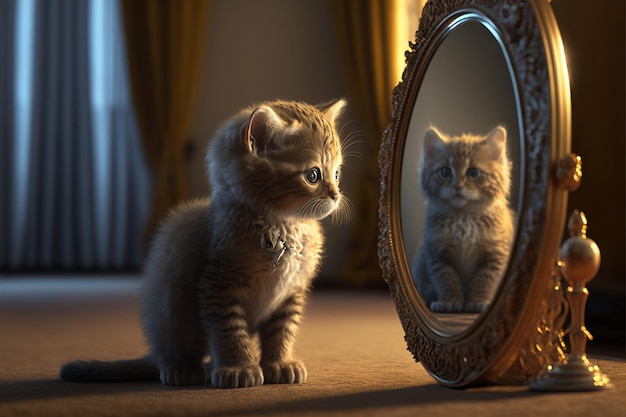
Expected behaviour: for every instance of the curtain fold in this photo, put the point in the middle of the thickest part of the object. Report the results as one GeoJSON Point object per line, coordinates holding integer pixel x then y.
{"type": "Point", "coordinates": [59, 227]}
{"type": "Point", "coordinates": [7, 122]}
{"type": "Point", "coordinates": [369, 44]}
{"type": "Point", "coordinates": [165, 45]}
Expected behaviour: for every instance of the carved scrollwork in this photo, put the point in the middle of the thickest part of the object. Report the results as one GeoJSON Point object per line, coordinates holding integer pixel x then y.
{"type": "Point", "coordinates": [491, 348]}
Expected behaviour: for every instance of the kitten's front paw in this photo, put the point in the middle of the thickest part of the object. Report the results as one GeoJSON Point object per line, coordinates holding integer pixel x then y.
{"type": "Point", "coordinates": [475, 307]}
{"type": "Point", "coordinates": [292, 372]}
{"type": "Point", "coordinates": [184, 376]}
{"type": "Point", "coordinates": [237, 376]}
{"type": "Point", "coordinates": [446, 307]}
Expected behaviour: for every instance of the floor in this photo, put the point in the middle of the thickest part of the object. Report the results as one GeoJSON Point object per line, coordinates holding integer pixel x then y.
{"type": "Point", "coordinates": [351, 341]}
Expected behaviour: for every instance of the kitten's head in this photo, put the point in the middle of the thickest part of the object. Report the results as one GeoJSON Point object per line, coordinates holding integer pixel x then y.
{"type": "Point", "coordinates": [281, 158]}
{"type": "Point", "coordinates": [466, 170]}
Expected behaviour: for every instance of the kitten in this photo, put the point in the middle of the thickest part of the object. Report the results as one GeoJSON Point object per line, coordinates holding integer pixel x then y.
{"type": "Point", "coordinates": [468, 227]}
{"type": "Point", "coordinates": [229, 275]}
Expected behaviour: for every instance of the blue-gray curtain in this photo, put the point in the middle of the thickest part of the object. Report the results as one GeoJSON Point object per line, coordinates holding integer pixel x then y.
{"type": "Point", "coordinates": [74, 183]}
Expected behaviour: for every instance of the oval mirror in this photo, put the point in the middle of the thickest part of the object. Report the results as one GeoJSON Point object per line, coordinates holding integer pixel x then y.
{"type": "Point", "coordinates": [483, 105]}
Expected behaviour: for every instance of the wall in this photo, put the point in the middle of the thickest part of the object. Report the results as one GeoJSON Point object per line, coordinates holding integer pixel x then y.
{"type": "Point", "coordinates": [594, 40]}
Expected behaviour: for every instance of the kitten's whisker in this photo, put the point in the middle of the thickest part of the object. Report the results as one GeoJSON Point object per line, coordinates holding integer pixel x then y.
{"type": "Point", "coordinates": [345, 126]}
{"type": "Point", "coordinates": [353, 154]}
{"type": "Point", "coordinates": [351, 138]}
{"type": "Point", "coordinates": [315, 208]}
{"type": "Point", "coordinates": [349, 142]}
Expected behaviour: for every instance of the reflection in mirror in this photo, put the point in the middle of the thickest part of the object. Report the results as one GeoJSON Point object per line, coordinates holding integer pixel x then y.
{"type": "Point", "coordinates": [460, 174]}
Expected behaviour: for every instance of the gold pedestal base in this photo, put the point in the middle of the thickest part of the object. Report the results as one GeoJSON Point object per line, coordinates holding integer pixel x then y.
{"type": "Point", "coordinates": [576, 373]}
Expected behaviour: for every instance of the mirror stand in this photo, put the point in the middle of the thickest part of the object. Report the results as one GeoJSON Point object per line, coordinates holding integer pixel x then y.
{"type": "Point", "coordinates": [578, 263]}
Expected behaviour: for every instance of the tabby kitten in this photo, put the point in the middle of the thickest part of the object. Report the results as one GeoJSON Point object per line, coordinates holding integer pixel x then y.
{"type": "Point", "coordinates": [468, 227]}
{"type": "Point", "coordinates": [228, 277]}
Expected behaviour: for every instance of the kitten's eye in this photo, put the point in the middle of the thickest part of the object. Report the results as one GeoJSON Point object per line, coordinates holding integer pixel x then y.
{"type": "Point", "coordinates": [337, 175]}
{"type": "Point", "coordinates": [473, 173]}
{"type": "Point", "coordinates": [313, 175]}
{"type": "Point", "coordinates": [445, 172]}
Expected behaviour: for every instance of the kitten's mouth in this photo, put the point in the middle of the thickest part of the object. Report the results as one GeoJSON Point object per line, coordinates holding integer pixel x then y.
{"type": "Point", "coordinates": [458, 200]}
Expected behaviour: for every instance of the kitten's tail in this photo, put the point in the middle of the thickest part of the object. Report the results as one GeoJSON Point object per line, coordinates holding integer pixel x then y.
{"type": "Point", "coordinates": [141, 369]}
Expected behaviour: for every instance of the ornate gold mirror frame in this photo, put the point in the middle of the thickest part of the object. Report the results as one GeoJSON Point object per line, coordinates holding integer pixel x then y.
{"type": "Point", "coordinates": [503, 344]}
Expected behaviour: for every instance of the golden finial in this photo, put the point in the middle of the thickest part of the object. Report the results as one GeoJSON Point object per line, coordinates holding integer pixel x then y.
{"type": "Point", "coordinates": [579, 261]}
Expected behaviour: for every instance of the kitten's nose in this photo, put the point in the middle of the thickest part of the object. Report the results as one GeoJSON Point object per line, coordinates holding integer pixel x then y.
{"type": "Point", "coordinates": [333, 193]}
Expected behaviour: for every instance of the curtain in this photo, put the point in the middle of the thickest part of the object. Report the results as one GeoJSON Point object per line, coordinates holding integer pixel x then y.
{"type": "Point", "coordinates": [7, 121]}
{"type": "Point", "coordinates": [166, 41]}
{"type": "Point", "coordinates": [371, 47]}
{"type": "Point", "coordinates": [74, 184]}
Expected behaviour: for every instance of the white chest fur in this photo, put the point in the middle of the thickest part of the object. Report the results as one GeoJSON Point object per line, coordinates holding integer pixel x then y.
{"type": "Point", "coordinates": [288, 257]}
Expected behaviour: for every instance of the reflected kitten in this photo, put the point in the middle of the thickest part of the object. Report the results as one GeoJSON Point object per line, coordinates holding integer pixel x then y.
{"type": "Point", "coordinates": [230, 275]}
{"type": "Point", "coordinates": [468, 227]}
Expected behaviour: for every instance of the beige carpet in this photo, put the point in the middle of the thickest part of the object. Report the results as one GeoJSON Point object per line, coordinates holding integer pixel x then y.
{"type": "Point", "coordinates": [351, 342]}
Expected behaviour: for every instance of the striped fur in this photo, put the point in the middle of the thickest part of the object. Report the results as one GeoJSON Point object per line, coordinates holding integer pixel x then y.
{"type": "Point", "coordinates": [468, 227]}
{"type": "Point", "coordinates": [227, 277]}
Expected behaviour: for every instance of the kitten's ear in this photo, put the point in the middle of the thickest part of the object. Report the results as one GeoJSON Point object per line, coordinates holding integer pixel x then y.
{"type": "Point", "coordinates": [333, 109]}
{"type": "Point", "coordinates": [257, 130]}
{"type": "Point", "coordinates": [433, 141]}
{"type": "Point", "coordinates": [496, 141]}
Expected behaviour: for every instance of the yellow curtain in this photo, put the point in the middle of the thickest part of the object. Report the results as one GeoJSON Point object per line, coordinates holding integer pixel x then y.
{"type": "Point", "coordinates": [165, 45]}
{"type": "Point", "coordinates": [371, 45]}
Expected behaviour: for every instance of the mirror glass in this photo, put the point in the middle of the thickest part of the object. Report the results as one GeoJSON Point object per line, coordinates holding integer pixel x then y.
{"type": "Point", "coordinates": [468, 88]}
